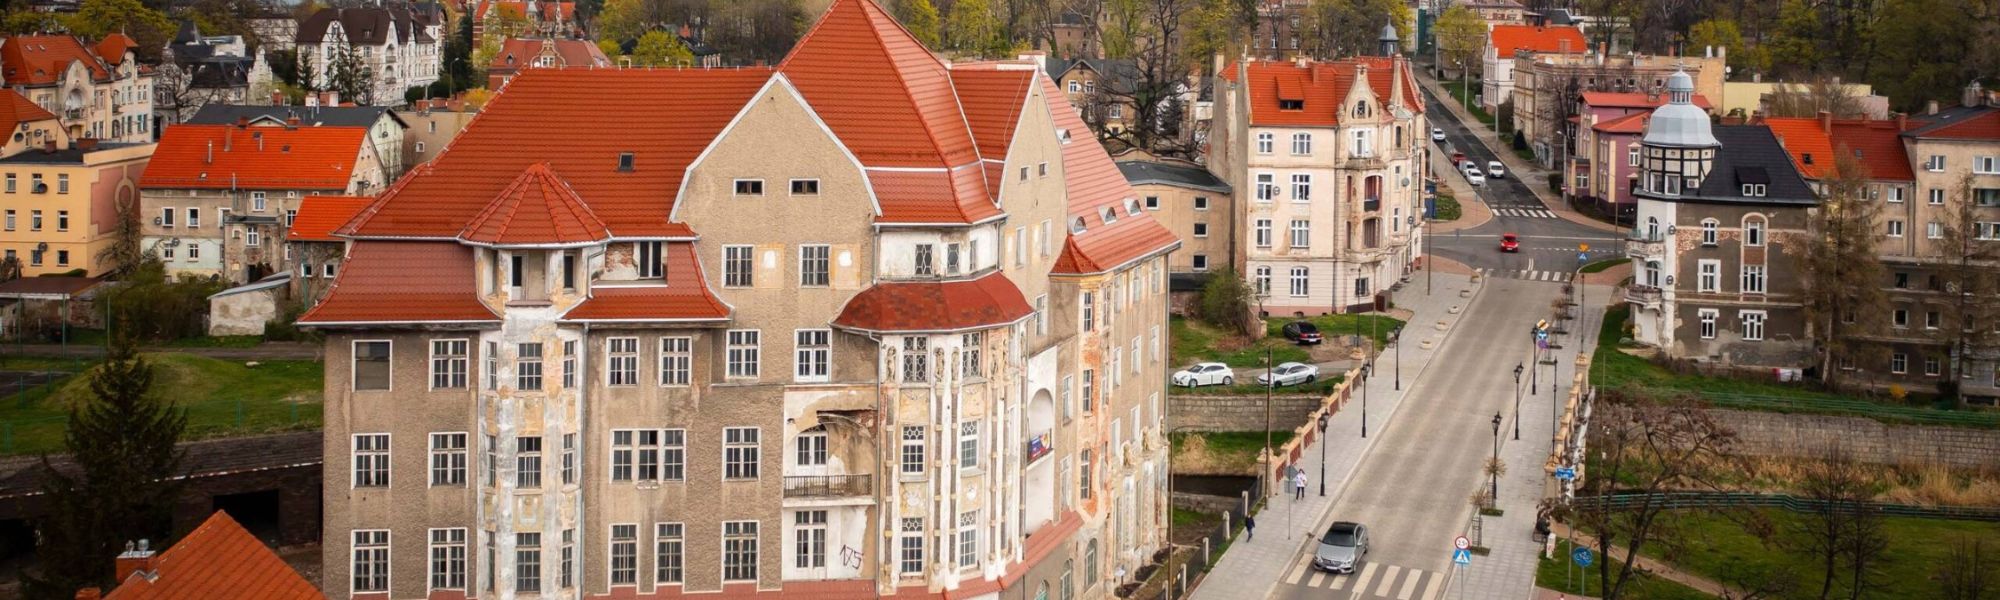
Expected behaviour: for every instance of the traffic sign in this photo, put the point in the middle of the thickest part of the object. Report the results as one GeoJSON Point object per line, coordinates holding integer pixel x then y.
{"type": "Point", "coordinates": [1461, 556]}
{"type": "Point", "coordinates": [1566, 473]}
{"type": "Point", "coordinates": [1542, 325]}
{"type": "Point", "coordinates": [1582, 256]}
{"type": "Point", "coordinates": [1461, 543]}
{"type": "Point", "coordinates": [1582, 556]}
{"type": "Point", "coordinates": [1583, 247]}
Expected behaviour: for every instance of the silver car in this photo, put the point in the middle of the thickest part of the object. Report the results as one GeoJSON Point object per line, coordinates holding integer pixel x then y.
{"type": "Point", "coordinates": [1342, 548]}
{"type": "Point", "coordinates": [1290, 373]}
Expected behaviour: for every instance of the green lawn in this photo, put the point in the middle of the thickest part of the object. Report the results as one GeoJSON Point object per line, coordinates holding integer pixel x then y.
{"type": "Point", "coordinates": [222, 398]}
{"type": "Point", "coordinates": [225, 341]}
{"type": "Point", "coordinates": [1233, 442]}
{"type": "Point", "coordinates": [1447, 207]}
{"type": "Point", "coordinates": [1719, 547]}
{"type": "Point", "coordinates": [1458, 93]}
{"type": "Point", "coordinates": [1605, 265]}
{"type": "Point", "coordinates": [1376, 327]}
{"type": "Point", "coordinates": [1320, 387]}
{"type": "Point", "coordinates": [1195, 341]}
{"type": "Point", "coordinates": [1561, 575]}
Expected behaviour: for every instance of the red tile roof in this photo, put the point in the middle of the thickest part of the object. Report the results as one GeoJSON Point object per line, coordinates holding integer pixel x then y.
{"type": "Point", "coordinates": [1635, 100]}
{"type": "Point", "coordinates": [1632, 123]}
{"type": "Point", "coordinates": [1878, 142]}
{"type": "Point", "coordinates": [113, 47]}
{"type": "Point", "coordinates": [219, 560]}
{"type": "Point", "coordinates": [993, 99]}
{"type": "Point", "coordinates": [41, 59]}
{"type": "Point", "coordinates": [1322, 85]}
{"type": "Point", "coordinates": [1982, 126]}
{"type": "Point", "coordinates": [887, 97]}
{"type": "Point", "coordinates": [579, 120]}
{"type": "Point", "coordinates": [1096, 183]}
{"type": "Point", "coordinates": [913, 306]}
{"type": "Point", "coordinates": [919, 197]}
{"type": "Point", "coordinates": [403, 282]}
{"type": "Point", "coordinates": [16, 109]}
{"type": "Point", "coordinates": [307, 158]}
{"type": "Point", "coordinates": [517, 53]}
{"type": "Point", "coordinates": [537, 209]}
{"type": "Point", "coordinates": [1507, 39]}
{"type": "Point", "coordinates": [683, 297]}
{"type": "Point", "coordinates": [319, 216]}
{"type": "Point", "coordinates": [1806, 140]}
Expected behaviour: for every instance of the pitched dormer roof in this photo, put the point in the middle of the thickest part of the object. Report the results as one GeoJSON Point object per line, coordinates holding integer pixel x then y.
{"type": "Point", "coordinates": [539, 208]}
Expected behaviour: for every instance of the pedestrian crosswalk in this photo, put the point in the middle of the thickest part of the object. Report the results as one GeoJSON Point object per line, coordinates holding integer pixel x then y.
{"type": "Point", "coordinates": [1557, 276]}
{"type": "Point", "coordinates": [1525, 213]}
{"type": "Point", "coordinates": [1374, 581]}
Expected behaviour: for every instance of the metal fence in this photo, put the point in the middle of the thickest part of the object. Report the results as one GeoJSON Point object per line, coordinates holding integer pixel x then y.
{"type": "Point", "coordinates": [1706, 500]}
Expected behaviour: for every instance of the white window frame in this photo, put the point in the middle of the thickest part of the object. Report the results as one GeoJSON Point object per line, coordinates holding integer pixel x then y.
{"type": "Point", "coordinates": [1261, 233]}
{"type": "Point", "coordinates": [354, 376]}
{"type": "Point", "coordinates": [1302, 185]}
{"type": "Point", "coordinates": [1301, 237]}
{"type": "Point", "coordinates": [1753, 279]}
{"type": "Point", "coordinates": [1708, 275]}
{"type": "Point", "coordinates": [385, 559]}
{"type": "Point", "coordinates": [744, 353]}
{"type": "Point", "coordinates": [1301, 282]}
{"type": "Point", "coordinates": [379, 461]}
{"type": "Point", "coordinates": [1267, 142]}
{"type": "Point", "coordinates": [1708, 317]}
{"type": "Point", "coordinates": [676, 361]}
{"type": "Point", "coordinates": [746, 570]}
{"type": "Point", "coordinates": [442, 540]}
{"type": "Point", "coordinates": [462, 360]}
{"type": "Point", "coordinates": [1753, 322]}
{"type": "Point", "coordinates": [812, 362]}
{"type": "Point", "coordinates": [449, 460]}
{"type": "Point", "coordinates": [741, 460]}
{"type": "Point", "coordinates": [621, 367]}
{"type": "Point", "coordinates": [1302, 144]}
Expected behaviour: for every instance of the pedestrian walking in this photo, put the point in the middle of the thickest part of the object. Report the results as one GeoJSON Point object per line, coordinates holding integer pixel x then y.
{"type": "Point", "coordinates": [1249, 527]}
{"type": "Point", "coordinates": [1302, 485]}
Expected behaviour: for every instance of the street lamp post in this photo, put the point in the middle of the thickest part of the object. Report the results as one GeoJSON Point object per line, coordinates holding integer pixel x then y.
{"type": "Point", "coordinates": [1517, 399]}
{"type": "Point", "coordinates": [1396, 338]}
{"type": "Point", "coordinates": [1495, 472]}
{"type": "Point", "coordinates": [1322, 453]}
{"type": "Point", "coordinates": [1365, 370]}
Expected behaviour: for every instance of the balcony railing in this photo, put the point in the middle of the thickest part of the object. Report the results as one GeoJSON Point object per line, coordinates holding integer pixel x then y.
{"type": "Point", "coordinates": [1644, 296]}
{"type": "Point", "coordinates": [828, 486]}
{"type": "Point", "coordinates": [1371, 204]}
{"type": "Point", "coordinates": [1640, 243]}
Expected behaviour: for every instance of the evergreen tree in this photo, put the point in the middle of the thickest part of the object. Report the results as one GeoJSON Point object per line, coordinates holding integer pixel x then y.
{"type": "Point", "coordinates": [123, 444]}
{"type": "Point", "coordinates": [347, 75]}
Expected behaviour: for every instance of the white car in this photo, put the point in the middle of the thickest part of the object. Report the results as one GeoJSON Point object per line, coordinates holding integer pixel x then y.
{"type": "Point", "coordinates": [1494, 170]}
{"type": "Point", "coordinates": [1208, 373]}
{"type": "Point", "coordinates": [1472, 175]}
{"type": "Point", "coordinates": [1290, 373]}
{"type": "Point", "coordinates": [1437, 135]}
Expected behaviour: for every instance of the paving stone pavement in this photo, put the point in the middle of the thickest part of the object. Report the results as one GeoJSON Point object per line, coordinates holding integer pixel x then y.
{"type": "Point", "coordinates": [1251, 567]}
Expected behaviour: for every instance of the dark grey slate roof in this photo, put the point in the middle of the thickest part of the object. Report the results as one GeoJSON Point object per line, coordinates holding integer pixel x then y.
{"type": "Point", "coordinates": [1751, 154]}
{"type": "Point", "coordinates": [341, 116]}
{"type": "Point", "coordinates": [1116, 74]}
{"type": "Point", "coordinates": [1188, 176]}
{"type": "Point", "coordinates": [1946, 117]}
{"type": "Point", "coordinates": [368, 25]}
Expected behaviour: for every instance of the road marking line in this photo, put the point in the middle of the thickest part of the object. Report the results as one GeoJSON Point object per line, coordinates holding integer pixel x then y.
{"type": "Point", "coordinates": [1435, 587]}
{"type": "Point", "coordinates": [1410, 585]}
{"type": "Point", "coordinates": [1388, 581]}
{"type": "Point", "coordinates": [1316, 578]}
{"type": "Point", "coordinates": [1367, 575]}
{"type": "Point", "coordinates": [1339, 581]}
{"type": "Point", "coordinates": [1298, 572]}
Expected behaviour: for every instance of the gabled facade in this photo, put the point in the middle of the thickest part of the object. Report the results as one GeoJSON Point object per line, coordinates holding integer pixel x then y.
{"type": "Point", "coordinates": [1504, 43]}
{"type": "Point", "coordinates": [868, 323]}
{"type": "Point", "coordinates": [1327, 162]}
{"type": "Point", "coordinates": [1604, 168]}
{"type": "Point", "coordinates": [517, 54]}
{"type": "Point", "coordinates": [397, 44]}
{"type": "Point", "coordinates": [1549, 87]}
{"type": "Point", "coordinates": [98, 91]}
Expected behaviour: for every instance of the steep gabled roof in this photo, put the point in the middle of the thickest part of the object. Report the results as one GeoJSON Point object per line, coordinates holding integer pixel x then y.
{"type": "Point", "coordinates": [1814, 145]}
{"type": "Point", "coordinates": [1809, 145]}
{"type": "Point", "coordinates": [1634, 123]}
{"type": "Point", "coordinates": [888, 98]}
{"type": "Point", "coordinates": [40, 59]}
{"type": "Point", "coordinates": [403, 282]}
{"type": "Point", "coordinates": [539, 208]}
{"type": "Point", "coordinates": [282, 158]}
{"type": "Point", "coordinates": [1095, 184]}
{"type": "Point", "coordinates": [1508, 39]}
{"type": "Point", "coordinates": [993, 98]}
{"type": "Point", "coordinates": [16, 109]}
{"type": "Point", "coordinates": [113, 47]}
{"type": "Point", "coordinates": [319, 216]}
{"type": "Point", "coordinates": [578, 120]}
{"type": "Point", "coordinates": [517, 53]}
{"type": "Point", "coordinates": [1321, 86]}
{"type": "Point", "coordinates": [935, 306]}
{"type": "Point", "coordinates": [219, 560]}
{"type": "Point", "coordinates": [684, 296]}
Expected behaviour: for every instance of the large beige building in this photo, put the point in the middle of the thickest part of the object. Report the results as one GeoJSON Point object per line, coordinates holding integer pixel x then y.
{"type": "Point", "coordinates": [1327, 161]}
{"type": "Point", "coordinates": [1548, 89]}
{"type": "Point", "coordinates": [62, 197]}
{"type": "Point", "coordinates": [98, 91]}
{"type": "Point", "coordinates": [866, 324]}
{"type": "Point", "coordinates": [1194, 204]}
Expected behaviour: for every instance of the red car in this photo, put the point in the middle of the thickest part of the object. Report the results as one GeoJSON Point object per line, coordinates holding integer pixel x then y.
{"type": "Point", "coordinates": [1509, 243]}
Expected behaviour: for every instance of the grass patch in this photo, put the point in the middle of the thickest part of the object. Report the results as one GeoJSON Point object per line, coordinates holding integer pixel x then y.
{"type": "Point", "coordinates": [1719, 549]}
{"type": "Point", "coordinates": [1447, 207]}
{"type": "Point", "coordinates": [1551, 573]}
{"type": "Point", "coordinates": [1372, 326]}
{"type": "Point", "coordinates": [1185, 518]}
{"type": "Point", "coordinates": [222, 398]}
{"type": "Point", "coordinates": [1604, 265]}
{"type": "Point", "coordinates": [224, 341]}
{"type": "Point", "coordinates": [1222, 452]}
{"type": "Point", "coordinates": [1195, 341]}
{"type": "Point", "coordinates": [1459, 93]}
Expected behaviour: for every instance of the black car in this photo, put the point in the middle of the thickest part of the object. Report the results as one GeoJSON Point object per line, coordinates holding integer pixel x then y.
{"type": "Point", "coordinates": [1303, 332]}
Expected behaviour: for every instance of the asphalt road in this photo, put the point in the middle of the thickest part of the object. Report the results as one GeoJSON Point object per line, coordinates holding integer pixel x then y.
{"type": "Point", "coordinates": [1549, 244]}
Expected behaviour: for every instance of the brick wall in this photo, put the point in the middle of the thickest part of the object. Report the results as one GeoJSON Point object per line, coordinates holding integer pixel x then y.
{"type": "Point", "coordinates": [1238, 413]}
{"type": "Point", "coordinates": [1775, 434]}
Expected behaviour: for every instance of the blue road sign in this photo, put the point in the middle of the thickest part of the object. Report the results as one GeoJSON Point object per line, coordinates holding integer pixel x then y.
{"type": "Point", "coordinates": [1461, 556]}
{"type": "Point", "coordinates": [1582, 256]}
{"type": "Point", "coordinates": [1566, 473]}
{"type": "Point", "coordinates": [1582, 556]}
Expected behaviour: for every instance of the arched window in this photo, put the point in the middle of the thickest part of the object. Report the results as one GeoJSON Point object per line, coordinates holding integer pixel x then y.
{"type": "Point", "coordinates": [1653, 273]}
{"type": "Point", "coordinates": [1708, 227]}
{"type": "Point", "coordinates": [1042, 591]}
{"type": "Point", "coordinates": [1753, 230]}
{"type": "Point", "coordinates": [1068, 583]}
{"type": "Point", "coordinates": [1361, 108]}
{"type": "Point", "coordinates": [1653, 229]}
{"type": "Point", "coordinates": [1090, 565]}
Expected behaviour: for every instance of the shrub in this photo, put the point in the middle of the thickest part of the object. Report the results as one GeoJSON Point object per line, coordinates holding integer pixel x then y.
{"type": "Point", "coordinates": [1225, 302]}
{"type": "Point", "coordinates": [152, 306]}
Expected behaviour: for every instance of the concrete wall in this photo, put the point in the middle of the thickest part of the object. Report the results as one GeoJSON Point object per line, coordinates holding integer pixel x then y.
{"type": "Point", "coordinates": [1775, 434]}
{"type": "Point", "coordinates": [1238, 413]}
{"type": "Point", "coordinates": [243, 313]}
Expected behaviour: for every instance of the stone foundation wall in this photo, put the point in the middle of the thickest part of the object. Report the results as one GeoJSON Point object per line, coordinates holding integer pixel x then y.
{"type": "Point", "coordinates": [1238, 413]}
{"type": "Point", "coordinates": [1776, 434]}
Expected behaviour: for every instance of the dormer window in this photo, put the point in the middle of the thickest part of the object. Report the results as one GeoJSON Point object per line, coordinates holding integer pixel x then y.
{"type": "Point", "coordinates": [1753, 190]}
{"type": "Point", "coordinates": [1291, 105]}
{"type": "Point", "coordinates": [1361, 109]}
{"type": "Point", "coordinates": [1131, 207]}
{"type": "Point", "coordinates": [1110, 216]}
{"type": "Point", "coordinates": [1076, 226]}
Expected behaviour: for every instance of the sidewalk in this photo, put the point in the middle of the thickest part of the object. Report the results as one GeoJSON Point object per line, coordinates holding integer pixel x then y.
{"type": "Point", "coordinates": [1508, 572]}
{"type": "Point", "coordinates": [1531, 175]}
{"type": "Point", "coordinates": [1252, 566]}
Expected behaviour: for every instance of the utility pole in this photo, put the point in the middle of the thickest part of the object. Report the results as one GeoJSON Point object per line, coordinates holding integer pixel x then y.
{"type": "Point", "coordinates": [1517, 399]}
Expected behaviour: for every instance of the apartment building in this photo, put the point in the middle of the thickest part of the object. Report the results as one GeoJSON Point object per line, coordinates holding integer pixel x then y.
{"type": "Point", "coordinates": [1604, 166]}
{"type": "Point", "coordinates": [432, 124]}
{"type": "Point", "coordinates": [516, 54]}
{"type": "Point", "coordinates": [1718, 208]}
{"type": "Point", "coordinates": [61, 196]}
{"type": "Point", "coordinates": [863, 324]}
{"type": "Point", "coordinates": [386, 128]}
{"type": "Point", "coordinates": [1197, 206]}
{"type": "Point", "coordinates": [220, 199]}
{"type": "Point", "coordinates": [1328, 159]}
{"type": "Point", "coordinates": [1549, 86]}
{"type": "Point", "coordinates": [98, 91]}
{"type": "Point", "coordinates": [398, 43]}
{"type": "Point", "coordinates": [1505, 43]}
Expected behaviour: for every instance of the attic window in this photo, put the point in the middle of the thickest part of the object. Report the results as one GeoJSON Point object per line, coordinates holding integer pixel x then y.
{"type": "Point", "coordinates": [1291, 105]}
{"type": "Point", "coordinates": [625, 160]}
{"type": "Point", "coordinates": [1076, 226]}
{"type": "Point", "coordinates": [1806, 158]}
{"type": "Point", "coordinates": [1062, 134]}
{"type": "Point", "coordinates": [1108, 214]}
{"type": "Point", "coordinates": [1131, 207]}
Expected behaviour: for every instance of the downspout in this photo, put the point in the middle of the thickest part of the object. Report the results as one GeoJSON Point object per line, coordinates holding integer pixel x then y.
{"type": "Point", "coordinates": [582, 443]}
{"type": "Point", "coordinates": [884, 551]}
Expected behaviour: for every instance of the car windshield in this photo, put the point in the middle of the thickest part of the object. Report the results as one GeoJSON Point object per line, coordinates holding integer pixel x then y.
{"type": "Point", "coordinates": [1509, 237]}
{"type": "Point", "coordinates": [1305, 327]}
{"type": "Point", "coordinates": [1341, 537]}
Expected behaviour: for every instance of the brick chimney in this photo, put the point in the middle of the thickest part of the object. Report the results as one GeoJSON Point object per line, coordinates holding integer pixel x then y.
{"type": "Point", "coordinates": [242, 122]}
{"type": "Point", "coordinates": [136, 560]}
{"type": "Point", "coordinates": [86, 144]}
{"type": "Point", "coordinates": [1902, 121]}
{"type": "Point", "coordinates": [89, 593]}
{"type": "Point", "coordinates": [1931, 108]}
{"type": "Point", "coordinates": [1826, 122]}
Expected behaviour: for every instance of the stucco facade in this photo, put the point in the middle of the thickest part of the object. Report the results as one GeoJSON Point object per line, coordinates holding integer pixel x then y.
{"type": "Point", "coordinates": [62, 206]}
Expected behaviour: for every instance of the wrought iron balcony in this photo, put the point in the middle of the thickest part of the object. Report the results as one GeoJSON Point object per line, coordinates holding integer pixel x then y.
{"type": "Point", "coordinates": [828, 486]}
{"type": "Point", "coordinates": [1371, 204]}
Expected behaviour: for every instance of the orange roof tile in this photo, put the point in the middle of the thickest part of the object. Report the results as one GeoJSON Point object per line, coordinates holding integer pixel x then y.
{"type": "Point", "coordinates": [912, 197]}
{"type": "Point", "coordinates": [1880, 147]}
{"type": "Point", "coordinates": [518, 53]}
{"type": "Point", "coordinates": [887, 97]}
{"type": "Point", "coordinates": [911, 306]}
{"type": "Point", "coordinates": [403, 282]}
{"type": "Point", "coordinates": [1095, 183]}
{"type": "Point", "coordinates": [113, 47]}
{"type": "Point", "coordinates": [1808, 143]}
{"type": "Point", "coordinates": [219, 560]}
{"type": "Point", "coordinates": [1982, 126]}
{"type": "Point", "coordinates": [538, 208]}
{"type": "Point", "coordinates": [40, 59]}
{"type": "Point", "coordinates": [993, 99]}
{"type": "Point", "coordinates": [1321, 85]}
{"type": "Point", "coordinates": [683, 297]}
{"type": "Point", "coordinates": [319, 216]}
{"type": "Point", "coordinates": [16, 109]}
{"type": "Point", "coordinates": [1635, 100]}
{"type": "Point", "coordinates": [1632, 123]}
{"type": "Point", "coordinates": [1507, 39]}
{"type": "Point", "coordinates": [227, 156]}
{"type": "Point", "coordinates": [579, 120]}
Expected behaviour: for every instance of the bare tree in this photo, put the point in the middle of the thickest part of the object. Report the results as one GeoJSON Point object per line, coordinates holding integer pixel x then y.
{"type": "Point", "coordinates": [1148, 88]}
{"type": "Point", "coordinates": [1842, 530]}
{"type": "Point", "coordinates": [1969, 264]}
{"type": "Point", "coordinates": [1968, 572]}
{"type": "Point", "coordinates": [1841, 280]}
{"type": "Point", "coordinates": [1808, 99]}
{"type": "Point", "coordinates": [1645, 447]}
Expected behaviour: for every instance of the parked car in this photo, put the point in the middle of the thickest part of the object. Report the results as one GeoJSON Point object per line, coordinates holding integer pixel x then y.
{"type": "Point", "coordinates": [1290, 373]}
{"type": "Point", "coordinates": [1208, 373]}
{"type": "Point", "coordinates": [1473, 176]}
{"type": "Point", "coordinates": [1509, 243]}
{"type": "Point", "coordinates": [1303, 332]}
{"type": "Point", "coordinates": [1494, 170]}
{"type": "Point", "coordinates": [1457, 158]}
{"type": "Point", "coordinates": [1342, 548]}
{"type": "Point", "coordinates": [1437, 135]}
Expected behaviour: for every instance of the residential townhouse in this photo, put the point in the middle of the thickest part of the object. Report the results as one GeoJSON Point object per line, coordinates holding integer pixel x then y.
{"type": "Point", "coordinates": [220, 199]}
{"type": "Point", "coordinates": [517, 54]}
{"type": "Point", "coordinates": [1548, 86]}
{"type": "Point", "coordinates": [1198, 207]}
{"type": "Point", "coordinates": [1604, 165]}
{"type": "Point", "coordinates": [1328, 159]}
{"type": "Point", "coordinates": [432, 124]}
{"type": "Point", "coordinates": [547, 19]}
{"type": "Point", "coordinates": [1719, 208]}
{"type": "Point", "coordinates": [387, 129]}
{"type": "Point", "coordinates": [317, 252]}
{"type": "Point", "coordinates": [1101, 88]}
{"type": "Point", "coordinates": [209, 69]}
{"type": "Point", "coordinates": [98, 91]}
{"type": "Point", "coordinates": [917, 353]}
{"type": "Point", "coordinates": [1499, 12]}
{"type": "Point", "coordinates": [61, 197]}
{"type": "Point", "coordinates": [398, 43]}
{"type": "Point", "coordinates": [1505, 43]}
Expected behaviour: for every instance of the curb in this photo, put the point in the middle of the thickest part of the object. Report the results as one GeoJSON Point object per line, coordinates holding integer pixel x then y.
{"type": "Point", "coordinates": [1507, 156]}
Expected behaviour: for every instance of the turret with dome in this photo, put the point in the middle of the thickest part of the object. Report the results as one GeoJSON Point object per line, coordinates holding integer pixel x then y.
{"type": "Point", "coordinates": [1679, 145]}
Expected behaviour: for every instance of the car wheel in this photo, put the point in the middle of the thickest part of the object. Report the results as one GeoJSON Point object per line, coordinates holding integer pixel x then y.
{"type": "Point", "coordinates": [1229, 381]}
{"type": "Point", "coordinates": [1310, 378]}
